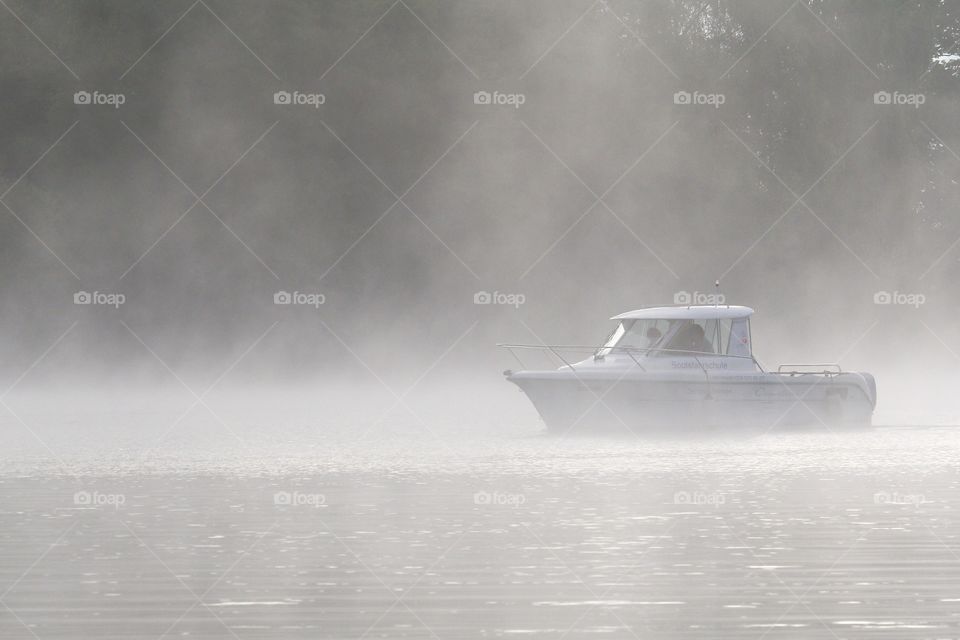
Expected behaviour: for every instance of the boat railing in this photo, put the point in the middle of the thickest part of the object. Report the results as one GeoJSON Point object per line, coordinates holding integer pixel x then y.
{"type": "Point", "coordinates": [555, 349]}
{"type": "Point", "coordinates": [633, 352]}
{"type": "Point", "coordinates": [822, 369]}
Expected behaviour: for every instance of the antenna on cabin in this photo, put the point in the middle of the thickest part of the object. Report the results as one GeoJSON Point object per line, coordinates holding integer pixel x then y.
{"type": "Point", "coordinates": [718, 296]}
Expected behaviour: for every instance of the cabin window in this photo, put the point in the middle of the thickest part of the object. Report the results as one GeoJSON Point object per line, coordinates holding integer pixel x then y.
{"type": "Point", "coordinates": [635, 334]}
{"type": "Point", "coordinates": [613, 339]}
{"type": "Point", "coordinates": [707, 336]}
{"type": "Point", "coordinates": [723, 344]}
{"type": "Point", "coordinates": [738, 342]}
{"type": "Point", "coordinates": [695, 337]}
{"type": "Point", "coordinates": [644, 334]}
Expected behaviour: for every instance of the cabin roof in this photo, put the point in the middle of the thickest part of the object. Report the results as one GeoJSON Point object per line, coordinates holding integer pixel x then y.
{"type": "Point", "coordinates": [685, 312]}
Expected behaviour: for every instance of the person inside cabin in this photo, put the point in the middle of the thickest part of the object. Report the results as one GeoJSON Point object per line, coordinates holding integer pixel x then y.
{"type": "Point", "coordinates": [691, 338]}
{"type": "Point", "coordinates": [698, 340]}
{"type": "Point", "coordinates": [653, 337]}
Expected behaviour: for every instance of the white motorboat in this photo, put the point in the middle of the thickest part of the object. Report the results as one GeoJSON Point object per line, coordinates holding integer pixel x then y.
{"type": "Point", "coordinates": [682, 367]}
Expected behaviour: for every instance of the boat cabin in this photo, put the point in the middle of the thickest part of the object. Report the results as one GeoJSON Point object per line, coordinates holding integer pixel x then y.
{"type": "Point", "coordinates": [696, 332]}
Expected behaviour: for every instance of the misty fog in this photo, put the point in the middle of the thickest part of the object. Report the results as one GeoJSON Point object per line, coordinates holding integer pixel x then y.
{"type": "Point", "coordinates": [246, 240]}
{"type": "Point", "coordinates": [495, 197]}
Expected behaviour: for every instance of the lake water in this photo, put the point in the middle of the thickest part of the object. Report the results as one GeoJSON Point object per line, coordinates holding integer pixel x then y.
{"type": "Point", "coordinates": [251, 528]}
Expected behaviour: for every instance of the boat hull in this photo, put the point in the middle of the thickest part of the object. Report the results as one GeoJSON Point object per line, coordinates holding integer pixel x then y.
{"type": "Point", "coordinates": [654, 402]}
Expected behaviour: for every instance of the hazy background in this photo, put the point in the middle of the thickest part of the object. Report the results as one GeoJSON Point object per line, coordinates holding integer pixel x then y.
{"type": "Point", "coordinates": [494, 198]}
{"type": "Point", "coordinates": [155, 456]}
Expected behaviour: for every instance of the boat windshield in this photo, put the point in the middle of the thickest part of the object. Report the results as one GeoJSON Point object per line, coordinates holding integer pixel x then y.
{"type": "Point", "coordinates": [713, 336]}
{"type": "Point", "coordinates": [678, 336]}
{"type": "Point", "coordinates": [635, 335]}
